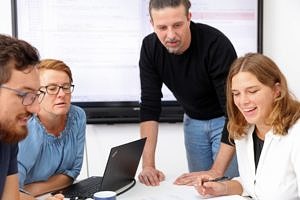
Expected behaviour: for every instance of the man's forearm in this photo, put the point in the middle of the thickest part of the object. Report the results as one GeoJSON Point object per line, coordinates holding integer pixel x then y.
{"type": "Point", "coordinates": [223, 158]}
{"type": "Point", "coordinates": [149, 129]}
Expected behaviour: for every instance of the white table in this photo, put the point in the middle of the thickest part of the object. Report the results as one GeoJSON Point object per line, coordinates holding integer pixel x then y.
{"type": "Point", "coordinates": [167, 191]}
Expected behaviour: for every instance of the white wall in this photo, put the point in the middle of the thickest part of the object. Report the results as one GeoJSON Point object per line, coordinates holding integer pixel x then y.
{"type": "Point", "coordinates": [281, 39]}
{"type": "Point", "coordinates": [5, 17]}
{"type": "Point", "coordinates": [100, 138]}
{"type": "Point", "coordinates": [280, 42]}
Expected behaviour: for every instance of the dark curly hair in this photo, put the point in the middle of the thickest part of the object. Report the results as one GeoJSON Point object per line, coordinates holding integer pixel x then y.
{"type": "Point", "coordinates": [15, 54]}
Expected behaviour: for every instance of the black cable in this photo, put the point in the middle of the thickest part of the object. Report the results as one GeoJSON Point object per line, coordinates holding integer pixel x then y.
{"type": "Point", "coordinates": [133, 184]}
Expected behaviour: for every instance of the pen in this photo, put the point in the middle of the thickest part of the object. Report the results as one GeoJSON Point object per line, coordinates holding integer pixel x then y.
{"type": "Point", "coordinates": [219, 179]}
{"type": "Point", "coordinates": [223, 178]}
{"type": "Point", "coordinates": [25, 192]}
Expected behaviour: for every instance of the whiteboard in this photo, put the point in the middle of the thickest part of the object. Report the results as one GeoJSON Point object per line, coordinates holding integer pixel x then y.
{"type": "Point", "coordinates": [100, 40]}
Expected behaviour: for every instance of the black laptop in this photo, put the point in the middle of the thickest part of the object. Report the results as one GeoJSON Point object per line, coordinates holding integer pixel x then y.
{"type": "Point", "coordinates": [118, 176]}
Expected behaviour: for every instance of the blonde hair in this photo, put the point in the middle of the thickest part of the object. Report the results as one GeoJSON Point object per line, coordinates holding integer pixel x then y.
{"type": "Point", "coordinates": [55, 65]}
{"type": "Point", "coordinates": [286, 108]}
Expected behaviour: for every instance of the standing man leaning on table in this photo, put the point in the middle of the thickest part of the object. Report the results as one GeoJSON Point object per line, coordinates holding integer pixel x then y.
{"type": "Point", "coordinates": [193, 61]}
{"type": "Point", "coordinates": [19, 99]}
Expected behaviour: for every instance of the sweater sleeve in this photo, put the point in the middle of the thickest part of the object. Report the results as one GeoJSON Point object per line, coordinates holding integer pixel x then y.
{"type": "Point", "coordinates": [151, 83]}
{"type": "Point", "coordinates": [13, 160]}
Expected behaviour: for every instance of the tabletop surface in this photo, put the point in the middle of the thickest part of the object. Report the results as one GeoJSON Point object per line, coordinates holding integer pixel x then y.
{"type": "Point", "coordinates": [165, 191]}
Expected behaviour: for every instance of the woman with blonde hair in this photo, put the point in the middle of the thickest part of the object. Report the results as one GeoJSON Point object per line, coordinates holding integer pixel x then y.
{"type": "Point", "coordinates": [265, 128]}
{"type": "Point", "coordinates": [51, 156]}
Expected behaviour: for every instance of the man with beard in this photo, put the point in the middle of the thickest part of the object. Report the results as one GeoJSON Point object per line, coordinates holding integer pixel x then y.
{"type": "Point", "coordinates": [192, 60]}
{"type": "Point", "coordinates": [19, 99]}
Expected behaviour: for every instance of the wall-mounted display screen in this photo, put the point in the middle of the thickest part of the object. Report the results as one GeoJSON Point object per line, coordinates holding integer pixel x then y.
{"type": "Point", "coordinates": [101, 41]}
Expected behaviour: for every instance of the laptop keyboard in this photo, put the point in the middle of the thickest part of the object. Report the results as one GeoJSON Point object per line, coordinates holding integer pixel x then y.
{"type": "Point", "coordinates": [83, 189]}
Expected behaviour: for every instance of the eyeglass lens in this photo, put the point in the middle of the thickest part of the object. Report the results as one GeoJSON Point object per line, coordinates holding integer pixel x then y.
{"type": "Point", "coordinates": [29, 98]}
{"type": "Point", "coordinates": [54, 89]}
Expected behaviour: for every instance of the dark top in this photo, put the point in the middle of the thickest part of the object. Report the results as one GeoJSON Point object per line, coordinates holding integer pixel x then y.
{"type": "Point", "coordinates": [196, 78]}
{"type": "Point", "coordinates": [257, 147]}
{"type": "Point", "coordinates": [8, 162]}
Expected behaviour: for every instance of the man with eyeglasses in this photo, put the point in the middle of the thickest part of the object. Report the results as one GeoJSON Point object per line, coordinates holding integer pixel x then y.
{"type": "Point", "coordinates": [19, 99]}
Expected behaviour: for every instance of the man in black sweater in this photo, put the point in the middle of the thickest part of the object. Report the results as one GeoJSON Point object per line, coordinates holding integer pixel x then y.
{"type": "Point", "coordinates": [193, 61]}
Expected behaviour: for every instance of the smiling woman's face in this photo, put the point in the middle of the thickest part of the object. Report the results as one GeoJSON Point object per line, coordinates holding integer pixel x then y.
{"type": "Point", "coordinates": [58, 104]}
{"type": "Point", "coordinates": [253, 99]}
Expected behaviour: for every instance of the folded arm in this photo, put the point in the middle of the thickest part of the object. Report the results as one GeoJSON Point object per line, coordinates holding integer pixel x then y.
{"type": "Point", "coordinates": [55, 182]}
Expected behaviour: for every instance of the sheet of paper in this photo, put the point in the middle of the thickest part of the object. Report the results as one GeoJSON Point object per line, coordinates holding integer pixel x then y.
{"type": "Point", "coordinates": [168, 191]}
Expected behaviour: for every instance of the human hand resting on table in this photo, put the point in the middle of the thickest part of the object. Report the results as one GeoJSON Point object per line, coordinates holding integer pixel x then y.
{"type": "Point", "coordinates": [191, 178]}
{"type": "Point", "coordinates": [151, 176]}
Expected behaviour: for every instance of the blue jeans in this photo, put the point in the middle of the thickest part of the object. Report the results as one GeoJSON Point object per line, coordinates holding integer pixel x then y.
{"type": "Point", "coordinates": [202, 142]}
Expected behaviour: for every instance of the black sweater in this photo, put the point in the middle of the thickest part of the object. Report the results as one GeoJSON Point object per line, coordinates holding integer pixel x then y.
{"type": "Point", "coordinates": [196, 78]}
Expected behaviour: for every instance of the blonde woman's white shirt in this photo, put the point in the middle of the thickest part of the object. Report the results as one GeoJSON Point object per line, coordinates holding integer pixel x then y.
{"type": "Point", "coordinates": [278, 172]}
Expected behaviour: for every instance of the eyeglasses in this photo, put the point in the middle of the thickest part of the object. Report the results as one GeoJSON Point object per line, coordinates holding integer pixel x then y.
{"type": "Point", "coordinates": [27, 97]}
{"type": "Point", "coordinates": [53, 89]}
